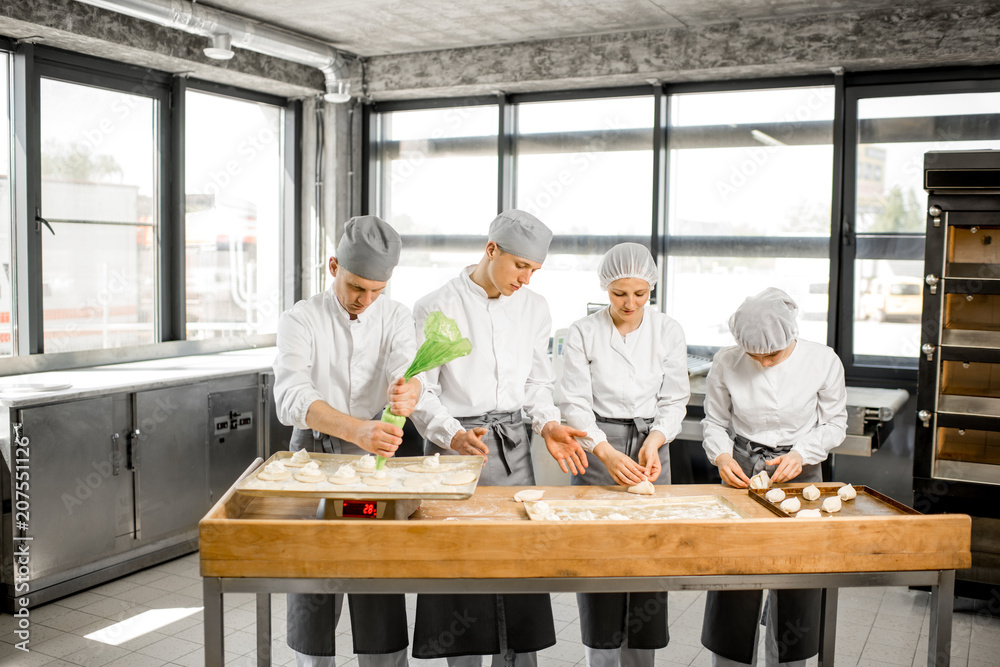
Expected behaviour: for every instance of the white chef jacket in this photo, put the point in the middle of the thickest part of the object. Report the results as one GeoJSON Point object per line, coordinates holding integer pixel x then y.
{"type": "Point", "coordinates": [802, 402]}
{"type": "Point", "coordinates": [507, 370]}
{"type": "Point", "coordinates": [643, 376]}
{"type": "Point", "coordinates": [324, 355]}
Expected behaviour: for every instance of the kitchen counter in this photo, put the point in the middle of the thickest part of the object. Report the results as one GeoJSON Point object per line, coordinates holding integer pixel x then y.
{"type": "Point", "coordinates": [20, 391]}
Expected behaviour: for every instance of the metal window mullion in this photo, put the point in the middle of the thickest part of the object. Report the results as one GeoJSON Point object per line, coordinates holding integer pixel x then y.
{"type": "Point", "coordinates": [658, 241]}
{"type": "Point", "coordinates": [290, 238]}
{"type": "Point", "coordinates": [506, 167]}
{"type": "Point", "coordinates": [172, 283]}
{"type": "Point", "coordinates": [844, 342]}
{"type": "Point", "coordinates": [26, 315]}
{"type": "Point", "coordinates": [839, 305]}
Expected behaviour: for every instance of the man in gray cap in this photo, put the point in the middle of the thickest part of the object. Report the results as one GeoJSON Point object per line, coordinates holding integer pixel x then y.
{"type": "Point", "coordinates": [331, 382]}
{"type": "Point", "coordinates": [473, 405]}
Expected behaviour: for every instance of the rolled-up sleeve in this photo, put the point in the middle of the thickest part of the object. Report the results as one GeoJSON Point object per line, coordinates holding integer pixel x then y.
{"type": "Point", "coordinates": [294, 390]}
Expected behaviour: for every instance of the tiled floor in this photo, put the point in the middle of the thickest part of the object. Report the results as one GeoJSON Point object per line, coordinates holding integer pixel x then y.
{"type": "Point", "coordinates": [875, 626]}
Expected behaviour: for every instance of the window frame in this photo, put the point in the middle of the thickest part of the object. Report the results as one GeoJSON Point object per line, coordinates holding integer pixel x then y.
{"type": "Point", "coordinates": [29, 64]}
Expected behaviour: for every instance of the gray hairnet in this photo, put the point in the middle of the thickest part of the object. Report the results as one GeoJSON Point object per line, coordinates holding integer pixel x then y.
{"type": "Point", "coordinates": [765, 324]}
{"type": "Point", "coordinates": [627, 260]}
{"type": "Point", "coordinates": [369, 248]}
{"type": "Point", "coordinates": [522, 234]}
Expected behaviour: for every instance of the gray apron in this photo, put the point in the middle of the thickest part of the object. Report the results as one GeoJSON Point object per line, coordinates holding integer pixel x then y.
{"type": "Point", "coordinates": [613, 620]}
{"type": "Point", "coordinates": [378, 622]}
{"type": "Point", "coordinates": [449, 625]}
{"type": "Point", "coordinates": [731, 617]}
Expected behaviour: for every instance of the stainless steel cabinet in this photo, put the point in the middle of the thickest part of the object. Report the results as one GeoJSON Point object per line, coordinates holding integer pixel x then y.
{"type": "Point", "coordinates": [234, 407]}
{"type": "Point", "coordinates": [70, 487]}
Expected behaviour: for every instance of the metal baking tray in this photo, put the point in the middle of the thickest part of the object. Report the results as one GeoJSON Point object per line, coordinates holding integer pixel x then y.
{"type": "Point", "coordinates": [676, 508]}
{"type": "Point", "coordinates": [869, 502]}
{"type": "Point", "coordinates": [396, 467]}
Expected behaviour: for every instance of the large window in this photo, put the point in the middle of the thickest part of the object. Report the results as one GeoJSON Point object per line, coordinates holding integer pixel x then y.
{"type": "Point", "coordinates": [233, 171]}
{"type": "Point", "coordinates": [6, 256]}
{"type": "Point", "coordinates": [892, 134]}
{"type": "Point", "coordinates": [438, 187]}
{"type": "Point", "coordinates": [749, 206]}
{"type": "Point", "coordinates": [584, 167]}
{"type": "Point", "coordinates": [100, 200]}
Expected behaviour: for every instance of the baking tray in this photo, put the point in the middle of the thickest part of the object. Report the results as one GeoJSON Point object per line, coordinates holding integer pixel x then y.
{"type": "Point", "coordinates": [869, 502]}
{"type": "Point", "coordinates": [676, 508]}
{"type": "Point", "coordinates": [396, 468]}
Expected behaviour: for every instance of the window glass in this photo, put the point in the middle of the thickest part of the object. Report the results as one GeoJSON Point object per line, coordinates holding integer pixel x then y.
{"type": "Point", "coordinates": [234, 174]}
{"type": "Point", "coordinates": [6, 265]}
{"type": "Point", "coordinates": [437, 187]}
{"type": "Point", "coordinates": [893, 135]}
{"type": "Point", "coordinates": [750, 183]}
{"type": "Point", "coordinates": [585, 168]}
{"type": "Point", "coordinates": [98, 164]}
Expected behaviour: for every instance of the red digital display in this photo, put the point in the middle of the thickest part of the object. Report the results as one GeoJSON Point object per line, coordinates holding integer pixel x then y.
{"type": "Point", "coordinates": [360, 509]}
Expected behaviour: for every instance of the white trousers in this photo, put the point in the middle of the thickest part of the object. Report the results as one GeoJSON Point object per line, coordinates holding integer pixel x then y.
{"type": "Point", "coordinates": [397, 659]}
{"type": "Point", "coordinates": [619, 657]}
{"type": "Point", "coordinates": [770, 642]}
{"type": "Point", "coordinates": [496, 660]}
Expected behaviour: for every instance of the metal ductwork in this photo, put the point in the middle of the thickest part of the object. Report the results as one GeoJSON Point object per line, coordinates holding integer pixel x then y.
{"type": "Point", "coordinates": [242, 33]}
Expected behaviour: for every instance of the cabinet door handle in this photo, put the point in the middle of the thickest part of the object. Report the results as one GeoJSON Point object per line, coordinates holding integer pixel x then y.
{"type": "Point", "coordinates": [133, 450]}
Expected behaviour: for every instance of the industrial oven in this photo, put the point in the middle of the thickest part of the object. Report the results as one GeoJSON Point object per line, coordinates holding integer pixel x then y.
{"type": "Point", "coordinates": [956, 465]}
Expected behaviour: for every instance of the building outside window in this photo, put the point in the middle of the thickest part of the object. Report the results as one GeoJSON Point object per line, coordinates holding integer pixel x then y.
{"type": "Point", "coordinates": [100, 203]}
{"type": "Point", "coordinates": [233, 202]}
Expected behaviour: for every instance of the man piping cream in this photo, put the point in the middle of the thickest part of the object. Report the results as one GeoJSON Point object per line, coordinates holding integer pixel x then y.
{"type": "Point", "coordinates": [341, 355]}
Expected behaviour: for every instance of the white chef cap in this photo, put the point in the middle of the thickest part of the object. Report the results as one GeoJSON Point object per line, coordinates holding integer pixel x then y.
{"type": "Point", "coordinates": [522, 234]}
{"type": "Point", "coordinates": [765, 324]}
{"type": "Point", "coordinates": [627, 260]}
{"type": "Point", "coordinates": [369, 248]}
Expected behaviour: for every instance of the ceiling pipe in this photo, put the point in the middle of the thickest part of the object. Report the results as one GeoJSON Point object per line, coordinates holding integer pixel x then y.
{"type": "Point", "coordinates": [243, 33]}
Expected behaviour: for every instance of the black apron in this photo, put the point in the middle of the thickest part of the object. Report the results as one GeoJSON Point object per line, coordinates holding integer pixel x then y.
{"type": "Point", "coordinates": [613, 620]}
{"type": "Point", "coordinates": [731, 617]}
{"type": "Point", "coordinates": [453, 624]}
{"type": "Point", "coordinates": [378, 622]}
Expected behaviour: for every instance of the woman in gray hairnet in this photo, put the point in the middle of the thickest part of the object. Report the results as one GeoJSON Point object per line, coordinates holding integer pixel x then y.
{"type": "Point", "coordinates": [625, 383]}
{"type": "Point", "coordinates": [777, 403]}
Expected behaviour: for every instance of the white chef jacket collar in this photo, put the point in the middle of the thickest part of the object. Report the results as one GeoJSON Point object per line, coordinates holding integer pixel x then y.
{"type": "Point", "coordinates": [474, 287]}
{"type": "Point", "coordinates": [344, 315]}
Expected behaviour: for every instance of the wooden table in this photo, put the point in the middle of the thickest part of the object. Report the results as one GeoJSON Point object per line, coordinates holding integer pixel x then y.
{"type": "Point", "coordinates": [487, 544]}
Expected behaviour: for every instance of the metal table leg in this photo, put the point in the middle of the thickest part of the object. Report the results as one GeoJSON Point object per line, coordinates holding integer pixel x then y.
{"type": "Point", "coordinates": [215, 655]}
{"type": "Point", "coordinates": [263, 630]}
{"type": "Point", "coordinates": [942, 602]}
{"type": "Point", "coordinates": [828, 628]}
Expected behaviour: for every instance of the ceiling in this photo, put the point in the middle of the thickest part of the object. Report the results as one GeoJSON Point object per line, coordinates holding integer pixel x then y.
{"type": "Point", "coordinates": [381, 27]}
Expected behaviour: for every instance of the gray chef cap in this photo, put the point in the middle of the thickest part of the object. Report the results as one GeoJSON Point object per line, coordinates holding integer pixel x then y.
{"type": "Point", "coordinates": [627, 260]}
{"type": "Point", "coordinates": [521, 234]}
{"type": "Point", "coordinates": [765, 324]}
{"type": "Point", "coordinates": [369, 248]}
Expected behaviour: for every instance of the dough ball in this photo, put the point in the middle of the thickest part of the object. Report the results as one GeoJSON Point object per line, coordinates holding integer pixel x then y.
{"type": "Point", "coordinates": [310, 479]}
{"type": "Point", "coordinates": [847, 492]}
{"type": "Point", "coordinates": [760, 480]}
{"type": "Point", "coordinates": [810, 492]}
{"type": "Point", "coordinates": [528, 494]}
{"type": "Point", "coordinates": [541, 507]}
{"type": "Point", "coordinates": [808, 514]}
{"type": "Point", "coordinates": [273, 477]}
{"type": "Point", "coordinates": [832, 504]}
{"type": "Point", "coordinates": [791, 505]}
{"type": "Point", "coordinates": [644, 488]}
{"type": "Point", "coordinates": [338, 479]}
{"type": "Point", "coordinates": [775, 495]}
{"type": "Point", "coordinates": [459, 478]}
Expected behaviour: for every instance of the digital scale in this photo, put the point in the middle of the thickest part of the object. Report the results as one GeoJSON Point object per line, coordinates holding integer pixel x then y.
{"type": "Point", "coordinates": [367, 510]}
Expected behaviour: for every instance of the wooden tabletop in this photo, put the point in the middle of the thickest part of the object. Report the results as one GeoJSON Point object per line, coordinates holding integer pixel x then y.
{"type": "Point", "coordinates": [490, 536]}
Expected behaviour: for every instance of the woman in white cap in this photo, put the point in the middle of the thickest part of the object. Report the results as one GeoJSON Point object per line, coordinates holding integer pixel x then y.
{"type": "Point", "coordinates": [341, 355]}
{"type": "Point", "coordinates": [473, 406]}
{"type": "Point", "coordinates": [778, 403]}
{"type": "Point", "coordinates": [625, 383]}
